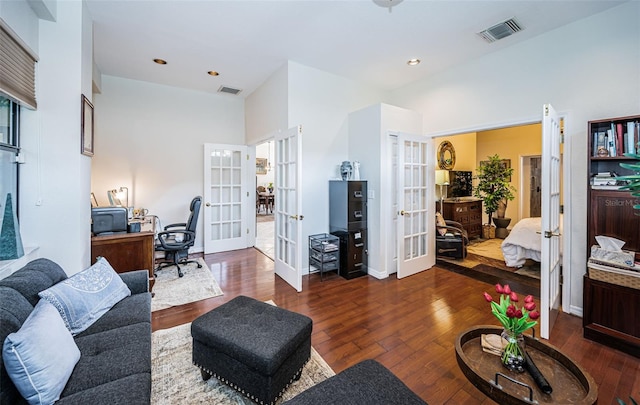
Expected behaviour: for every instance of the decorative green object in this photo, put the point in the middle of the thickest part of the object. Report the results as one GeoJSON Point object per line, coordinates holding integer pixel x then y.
{"type": "Point", "coordinates": [10, 241]}
{"type": "Point", "coordinates": [494, 185]}
{"type": "Point", "coordinates": [621, 402]}
{"type": "Point", "coordinates": [634, 179]}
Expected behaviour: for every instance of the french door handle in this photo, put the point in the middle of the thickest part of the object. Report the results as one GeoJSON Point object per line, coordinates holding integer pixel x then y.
{"type": "Point", "coordinates": [402, 212]}
{"type": "Point", "coordinates": [549, 234]}
{"type": "Point", "coordinates": [297, 217]}
{"type": "Point", "coordinates": [208, 204]}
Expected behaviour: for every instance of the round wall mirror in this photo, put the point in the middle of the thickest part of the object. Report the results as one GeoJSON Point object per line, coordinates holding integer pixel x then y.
{"type": "Point", "coordinates": [446, 156]}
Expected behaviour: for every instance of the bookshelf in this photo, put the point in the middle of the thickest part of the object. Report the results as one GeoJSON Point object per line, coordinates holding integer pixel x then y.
{"type": "Point", "coordinates": [610, 213]}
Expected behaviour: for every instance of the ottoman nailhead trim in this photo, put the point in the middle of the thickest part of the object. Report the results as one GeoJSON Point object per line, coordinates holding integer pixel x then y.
{"type": "Point", "coordinates": [251, 396]}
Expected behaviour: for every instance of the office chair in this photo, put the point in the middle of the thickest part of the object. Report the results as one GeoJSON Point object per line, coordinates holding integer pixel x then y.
{"type": "Point", "coordinates": [451, 238]}
{"type": "Point", "coordinates": [176, 239]}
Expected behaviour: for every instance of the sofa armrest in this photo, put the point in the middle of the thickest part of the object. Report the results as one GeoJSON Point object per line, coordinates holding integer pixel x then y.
{"type": "Point", "coordinates": [136, 280]}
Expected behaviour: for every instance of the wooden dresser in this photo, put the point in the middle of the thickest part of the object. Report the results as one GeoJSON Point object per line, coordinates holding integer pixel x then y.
{"type": "Point", "coordinates": [126, 252]}
{"type": "Point", "coordinates": [468, 213]}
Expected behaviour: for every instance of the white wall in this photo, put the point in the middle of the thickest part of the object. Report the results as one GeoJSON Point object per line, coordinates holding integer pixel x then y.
{"type": "Point", "coordinates": [150, 138]}
{"type": "Point", "coordinates": [372, 126]}
{"type": "Point", "coordinates": [321, 103]}
{"type": "Point", "coordinates": [22, 20]}
{"type": "Point", "coordinates": [54, 181]}
{"type": "Point", "coordinates": [587, 70]}
{"type": "Point", "coordinates": [266, 108]}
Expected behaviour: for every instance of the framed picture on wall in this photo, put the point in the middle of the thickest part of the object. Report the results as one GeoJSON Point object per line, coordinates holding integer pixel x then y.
{"type": "Point", "coordinates": [504, 163]}
{"type": "Point", "coordinates": [86, 127]}
{"type": "Point", "coordinates": [261, 165]}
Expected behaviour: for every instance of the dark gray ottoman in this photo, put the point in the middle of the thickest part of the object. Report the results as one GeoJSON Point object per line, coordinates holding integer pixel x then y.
{"type": "Point", "coordinates": [366, 383]}
{"type": "Point", "coordinates": [256, 348]}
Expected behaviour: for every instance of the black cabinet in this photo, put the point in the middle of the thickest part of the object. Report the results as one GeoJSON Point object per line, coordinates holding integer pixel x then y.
{"type": "Point", "coordinates": [348, 221]}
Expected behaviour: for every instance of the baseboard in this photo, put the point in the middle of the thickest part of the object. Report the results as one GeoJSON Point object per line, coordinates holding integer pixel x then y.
{"type": "Point", "coordinates": [577, 311]}
{"type": "Point", "coordinates": [376, 273]}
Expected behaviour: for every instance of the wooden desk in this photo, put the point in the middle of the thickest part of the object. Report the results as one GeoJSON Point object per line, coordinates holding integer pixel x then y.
{"type": "Point", "coordinates": [126, 252]}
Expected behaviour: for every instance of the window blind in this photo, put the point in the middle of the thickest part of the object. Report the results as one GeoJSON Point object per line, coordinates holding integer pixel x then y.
{"type": "Point", "coordinates": [17, 68]}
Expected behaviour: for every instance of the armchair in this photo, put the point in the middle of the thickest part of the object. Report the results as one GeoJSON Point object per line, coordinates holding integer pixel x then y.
{"type": "Point", "coordinates": [451, 238]}
{"type": "Point", "coordinates": [176, 239]}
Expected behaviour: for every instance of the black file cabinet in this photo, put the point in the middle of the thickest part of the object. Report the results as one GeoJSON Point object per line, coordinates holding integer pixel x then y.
{"type": "Point", "coordinates": [348, 221]}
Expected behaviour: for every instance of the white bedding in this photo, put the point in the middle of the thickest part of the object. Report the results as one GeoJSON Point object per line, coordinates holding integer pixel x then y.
{"type": "Point", "coordinates": [524, 242]}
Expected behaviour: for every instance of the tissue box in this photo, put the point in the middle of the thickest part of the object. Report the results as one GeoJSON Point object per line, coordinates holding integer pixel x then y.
{"type": "Point", "coordinates": [624, 258]}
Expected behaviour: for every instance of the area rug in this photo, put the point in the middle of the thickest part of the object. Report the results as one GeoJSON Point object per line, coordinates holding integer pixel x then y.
{"type": "Point", "coordinates": [487, 248]}
{"type": "Point", "coordinates": [170, 290]}
{"type": "Point", "coordinates": [175, 380]}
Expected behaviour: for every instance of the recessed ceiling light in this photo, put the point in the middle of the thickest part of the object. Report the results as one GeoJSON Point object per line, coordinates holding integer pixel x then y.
{"type": "Point", "coordinates": [413, 62]}
{"type": "Point", "coordinates": [160, 61]}
{"type": "Point", "coordinates": [213, 73]}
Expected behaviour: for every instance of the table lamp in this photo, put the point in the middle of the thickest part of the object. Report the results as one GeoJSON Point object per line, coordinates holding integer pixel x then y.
{"type": "Point", "coordinates": [442, 179]}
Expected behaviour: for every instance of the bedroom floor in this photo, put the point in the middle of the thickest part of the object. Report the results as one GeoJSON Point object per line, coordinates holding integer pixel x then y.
{"type": "Point", "coordinates": [485, 262]}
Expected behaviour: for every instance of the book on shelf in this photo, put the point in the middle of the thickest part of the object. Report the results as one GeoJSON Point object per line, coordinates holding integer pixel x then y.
{"type": "Point", "coordinates": [599, 142]}
{"type": "Point", "coordinates": [619, 140]}
{"type": "Point", "coordinates": [611, 139]}
{"type": "Point", "coordinates": [631, 137]}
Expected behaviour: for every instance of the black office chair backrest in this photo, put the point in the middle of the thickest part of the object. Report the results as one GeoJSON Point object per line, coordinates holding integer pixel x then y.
{"type": "Point", "coordinates": [193, 217]}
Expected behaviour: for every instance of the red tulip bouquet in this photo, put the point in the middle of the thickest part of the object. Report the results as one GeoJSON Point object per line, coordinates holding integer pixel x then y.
{"type": "Point", "coordinates": [515, 321]}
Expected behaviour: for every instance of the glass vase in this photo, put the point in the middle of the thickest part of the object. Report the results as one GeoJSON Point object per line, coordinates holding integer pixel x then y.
{"type": "Point", "coordinates": [513, 352]}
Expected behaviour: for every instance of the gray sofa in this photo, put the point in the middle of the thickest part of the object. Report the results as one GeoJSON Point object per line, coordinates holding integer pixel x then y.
{"type": "Point", "coordinates": [115, 361]}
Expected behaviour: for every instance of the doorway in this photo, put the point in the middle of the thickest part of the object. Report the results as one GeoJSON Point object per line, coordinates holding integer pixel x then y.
{"type": "Point", "coordinates": [531, 204]}
{"type": "Point", "coordinates": [265, 203]}
{"type": "Point", "coordinates": [521, 146]}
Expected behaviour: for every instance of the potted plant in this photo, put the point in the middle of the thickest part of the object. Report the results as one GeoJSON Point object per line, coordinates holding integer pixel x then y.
{"type": "Point", "coordinates": [495, 189]}
{"type": "Point", "coordinates": [633, 180]}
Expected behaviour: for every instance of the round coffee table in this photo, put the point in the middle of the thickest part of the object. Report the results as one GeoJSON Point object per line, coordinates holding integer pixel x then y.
{"type": "Point", "coordinates": [570, 383]}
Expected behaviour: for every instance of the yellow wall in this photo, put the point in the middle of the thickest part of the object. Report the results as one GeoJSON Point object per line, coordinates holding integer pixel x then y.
{"type": "Point", "coordinates": [465, 147]}
{"type": "Point", "coordinates": [511, 143]}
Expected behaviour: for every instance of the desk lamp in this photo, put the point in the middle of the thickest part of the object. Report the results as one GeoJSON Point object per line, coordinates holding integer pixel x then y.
{"type": "Point", "coordinates": [123, 193]}
{"type": "Point", "coordinates": [442, 179]}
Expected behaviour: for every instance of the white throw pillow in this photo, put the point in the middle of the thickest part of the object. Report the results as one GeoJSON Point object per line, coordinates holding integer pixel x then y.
{"type": "Point", "coordinates": [84, 297]}
{"type": "Point", "coordinates": [40, 357]}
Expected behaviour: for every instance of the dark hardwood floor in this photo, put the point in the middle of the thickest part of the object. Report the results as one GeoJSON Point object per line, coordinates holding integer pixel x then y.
{"type": "Point", "coordinates": [409, 325]}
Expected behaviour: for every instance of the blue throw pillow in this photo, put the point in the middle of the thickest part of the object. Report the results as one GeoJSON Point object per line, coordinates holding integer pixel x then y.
{"type": "Point", "coordinates": [84, 297]}
{"type": "Point", "coordinates": [40, 357]}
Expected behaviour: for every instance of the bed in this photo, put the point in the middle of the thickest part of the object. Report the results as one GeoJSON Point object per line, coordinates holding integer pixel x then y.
{"type": "Point", "coordinates": [524, 242]}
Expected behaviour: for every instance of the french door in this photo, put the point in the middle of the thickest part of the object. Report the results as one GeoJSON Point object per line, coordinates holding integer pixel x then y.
{"type": "Point", "coordinates": [226, 199]}
{"type": "Point", "coordinates": [288, 207]}
{"type": "Point", "coordinates": [416, 221]}
{"type": "Point", "coordinates": [550, 265]}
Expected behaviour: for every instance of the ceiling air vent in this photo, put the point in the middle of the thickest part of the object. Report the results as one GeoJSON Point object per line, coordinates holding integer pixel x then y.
{"type": "Point", "coordinates": [499, 31]}
{"type": "Point", "coordinates": [228, 90]}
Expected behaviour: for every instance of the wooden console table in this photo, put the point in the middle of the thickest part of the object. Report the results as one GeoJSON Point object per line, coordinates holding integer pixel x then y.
{"type": "Point", "coordinates": [126, 252]}
{"type": "Point", "coordinates": [570, 383]}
